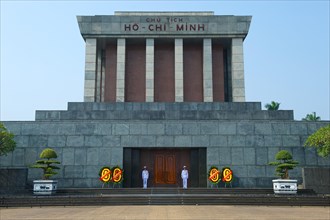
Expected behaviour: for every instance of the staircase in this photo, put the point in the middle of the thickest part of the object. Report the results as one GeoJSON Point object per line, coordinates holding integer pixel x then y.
{"type": "Point", "coordinates": [164, 196]}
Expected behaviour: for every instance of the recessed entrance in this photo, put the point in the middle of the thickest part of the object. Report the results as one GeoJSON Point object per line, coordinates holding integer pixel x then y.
{"type": "Point", "coordinates": [164, 165]}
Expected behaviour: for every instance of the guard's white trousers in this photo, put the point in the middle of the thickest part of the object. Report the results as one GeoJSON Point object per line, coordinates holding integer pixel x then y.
{"type": "Point", "coordinates": [185, 183]}
{"type": "Point", "coordinates": [145, 183]}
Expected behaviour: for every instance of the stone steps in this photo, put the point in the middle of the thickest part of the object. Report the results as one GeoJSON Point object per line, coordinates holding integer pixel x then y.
{"type": "Point", "coordinates": [163, 115]}
{"type": "Point", "coordinates": [165, 196]}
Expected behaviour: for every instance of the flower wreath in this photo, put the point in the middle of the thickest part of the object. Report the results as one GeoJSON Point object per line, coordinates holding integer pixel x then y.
{"type": "Point", "coordinates": [117, 174]}
{"type": "Point", "coordinates": [105, 174]}
{"type": "Point", "coordinates": [227, 175]}
{"type": "Point", "coordinates": [214, 175]}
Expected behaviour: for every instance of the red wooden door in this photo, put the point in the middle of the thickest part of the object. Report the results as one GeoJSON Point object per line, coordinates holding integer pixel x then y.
{"type": "Point", "coordinates": [165, 169]}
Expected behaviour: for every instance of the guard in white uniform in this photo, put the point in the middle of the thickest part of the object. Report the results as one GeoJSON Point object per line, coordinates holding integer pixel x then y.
{"type": "Point", "coordinates": [145, 176]}
{"type": "Point", "coordinates": [184, 176]}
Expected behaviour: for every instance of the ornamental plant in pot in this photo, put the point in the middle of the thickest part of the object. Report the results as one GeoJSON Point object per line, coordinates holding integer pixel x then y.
{"type": "Point", "coordinates": [47, 164]}
{"type": "Point", "coordinates": [283, 164]}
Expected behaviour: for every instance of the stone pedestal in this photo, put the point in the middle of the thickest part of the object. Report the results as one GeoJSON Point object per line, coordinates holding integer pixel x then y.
{"type": "Point", "coordinates": [285, 186]}
{"type": "Point", "coordinates": [44, 187]}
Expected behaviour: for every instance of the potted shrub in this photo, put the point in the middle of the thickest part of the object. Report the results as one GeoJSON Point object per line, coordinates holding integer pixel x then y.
{"type": "Point", "coordinates": [47, 164]}
{"type": "Point", "coordinates": [283, 164]}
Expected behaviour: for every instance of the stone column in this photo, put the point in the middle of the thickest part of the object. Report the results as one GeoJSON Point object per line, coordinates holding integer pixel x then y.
{"type": "Point", "coordinates": [102, 75]}
{"type": "Point", "coordinates": [98, 76]}
{"type": "Point", "coordinates": [150, 70]}
{"type": "Point", "coordinates": [207, 70]}
{"type": "Point", "coordinates": [178, 56]}
{"type": "Point", "coordinates": [237, 70]}
{"type": "Point", "coordinates": [90, 70]}
{"type": "Point", "coordinates": [120, 84]}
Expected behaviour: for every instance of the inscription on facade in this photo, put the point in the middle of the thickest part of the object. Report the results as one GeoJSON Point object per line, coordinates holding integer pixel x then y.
{"type": "Point", "coordinates": [164, 24]}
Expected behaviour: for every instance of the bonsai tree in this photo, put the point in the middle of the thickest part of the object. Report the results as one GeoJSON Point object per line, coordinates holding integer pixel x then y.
{"type": "Point", "coordinates": [321, 141]}
{"type": "Point", "coordinates": [7, 143]}
{"type": "Point", "coordinates": [284, 163]}
{"type": "Point", "coordinates": [273, 106]}
{"type": "Point", "coordinates": [312, 117]}
{"type": "Point", "coordinates": [46, 163]}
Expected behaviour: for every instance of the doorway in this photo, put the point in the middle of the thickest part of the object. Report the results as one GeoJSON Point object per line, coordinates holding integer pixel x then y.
{"type": "Point", "coordinates": [164, 166]}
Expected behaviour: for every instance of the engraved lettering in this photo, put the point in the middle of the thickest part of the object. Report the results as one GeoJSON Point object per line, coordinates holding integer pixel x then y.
{"type": "Point", "coordinates": [135, 27]}
{"type": "Point", "coordinates": [127, 27]}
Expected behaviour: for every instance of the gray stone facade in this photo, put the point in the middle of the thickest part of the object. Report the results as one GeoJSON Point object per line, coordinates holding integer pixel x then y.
{"type": "Point", "coordinates": [122, 26]}
{"type": "Point", "coordinates": [90, 135]}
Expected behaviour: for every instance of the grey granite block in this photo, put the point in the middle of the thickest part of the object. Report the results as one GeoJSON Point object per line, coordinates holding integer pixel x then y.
{"type": "Point", "coordinates": [147, 141]}
{"type": "Point", "coordinates": [281, 128]}
{"type": "Point", "coordinates": [261, 156]}
{"type": "Point", "coordinates": [263, 128]}
{"type": "Point", "coordinates": [236, 141]}
{"type": "Point", "coordinates": [94, 140]}
{"type": "Point", "coordinates": [173, 129]}
{"type": "Point", "coordinates": [173, 115]}
{"type": "Point", "coordinates": [254, 141]}
{"type": "Point", "coordinates": [225, 156]}
{"type": "Point", "coordinates": [227, 128]}
{"type": "Point", "coordinates": [247, 182]}
{"type": "Point", "coordinates": [157, 115]}
{"type": "Point", "coordinates": [245, 128]}
{"type": "Point", "coordinates": [212, 156]}
{"type": "Point", "coordinates": [209, 128]}
{"type": "Point", "coordinates": [30, 156]}
{"type": "Point", "coordinates": [272, 151]}
{"type": "Point", "coordinates": [298, 154]}
{"type": "Point", "coordinates": [264, 182]}
{"type": "Point", "coordinates": [103, 129]}
{"type": "Point", "coordinates": [75, 141]}
{"type": "Point", "coordinates": [111, 141]}
{"type": "Point", "coordinates": [256, 171]}
{"type": "Point", "coordinates": [120, 129]}
{"type": "Point", "coordinates": [57, 141]}
{"type": "Point", "coordinates": [182, 141]}
{"type": "Point", "coordinates": [156, 129]}
{"type": "Point", "coordinates": [91, 171]}
{"type": "Point", "coordinates": [273, 140]}
{"type": "Point", "coordinates": [239, 171]}
{"type": "Point", "coordinates": [237, 156]}
{"type": "Point", "coordinates": [129, 141]}
{"type": "Point", "coordinates": [164, 141]}
{"type": "Point", "coordinates": [188, 115]}
{"type": "Point", "coordinates": [38, 141]}
{"type": "Point", "coordinates": [68, 156]}
{"type": "Point", "coordinates": [104, 156]}
{"type": "Point", "coordinates": [92, 156]}
{"type": "Point", "coordinates": [14, 127]}
{"type": "Point", "coordinates": [80, 156]}
{"type": "Point", "coordinates": [200, 141]}
{"type": "Point", "coordinates": [117, 157]}
{"type": "Point", "coordinates": [218, 141]}
{"type": "Point", "coordinates": [22, 141]}
{"type": "Point", "coordinates": [290, 140]}
{"type": "Point", "coordinates": [85, 128]}
{"type": "Point", "coordinates": [73, 171]}
{"type": "Point", "coordinates": [190, 128]}
{"type": "Point", "coordinates": [249, 156]}
{"type": "Point", "coordinates": [138, 128]}
{"type": "Point", "coordinates": [299, 129]}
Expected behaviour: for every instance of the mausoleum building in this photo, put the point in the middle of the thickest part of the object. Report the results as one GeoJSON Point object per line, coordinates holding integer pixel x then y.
{"type": "Point", "coordinates": [164, 90]}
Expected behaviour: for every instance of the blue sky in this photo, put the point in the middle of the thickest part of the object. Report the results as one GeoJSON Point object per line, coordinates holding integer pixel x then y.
{"type": "Point", "coordinates": [42, 52]}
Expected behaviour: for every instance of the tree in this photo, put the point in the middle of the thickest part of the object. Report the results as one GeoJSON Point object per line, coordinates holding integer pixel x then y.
{"type": "Point", "coordinates": [284, 163]}
{"type": "Point", "coordinates": [273, 106]}
{"type": "Point", "coordinates": [46, 164]}
{"type": "Point", "coordinates": [320, 140]}
{"type": "Point", "coordinates": [7, 143]}
{"type": "Point", "coordinates": [311, 117]}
